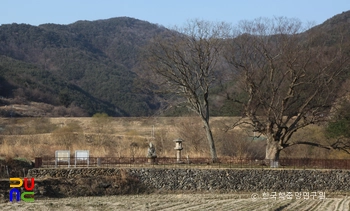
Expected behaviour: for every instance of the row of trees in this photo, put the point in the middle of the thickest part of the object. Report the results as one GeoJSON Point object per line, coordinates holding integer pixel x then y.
{"type": "Point", "coordinates": [289, 77]}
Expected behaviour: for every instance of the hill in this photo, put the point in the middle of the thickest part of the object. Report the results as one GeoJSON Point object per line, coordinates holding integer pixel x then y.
{"type": "Point", "coordinates": [94, 66]}
{"type": "Point", "coordinates": [88, 65]}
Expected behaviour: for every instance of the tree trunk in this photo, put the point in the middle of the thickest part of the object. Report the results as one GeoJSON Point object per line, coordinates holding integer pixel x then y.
{"type": "Point", "coordinates": [210, 141]}
{"type": "Point", "coordinates": [272, 151]}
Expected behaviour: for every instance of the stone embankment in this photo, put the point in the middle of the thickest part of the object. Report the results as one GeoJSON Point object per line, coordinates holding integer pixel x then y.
{"type": "Point", "coordinates": [223, 180]}
{"type": "Point", "coordinates": [72, 182]}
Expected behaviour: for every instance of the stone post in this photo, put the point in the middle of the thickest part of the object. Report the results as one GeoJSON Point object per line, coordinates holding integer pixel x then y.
{"type": "Point", "coordinates": [178, 148]}
{"type": "Point", "coordinates": [99, 162]}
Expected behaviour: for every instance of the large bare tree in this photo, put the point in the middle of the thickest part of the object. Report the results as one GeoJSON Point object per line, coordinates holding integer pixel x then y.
{"type": "Point", "coordinates": [289, 77]}
{"type": "Point", "coordinates": [186, 61]}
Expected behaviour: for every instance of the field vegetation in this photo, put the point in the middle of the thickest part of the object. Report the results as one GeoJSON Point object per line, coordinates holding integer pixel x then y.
{"type": "Point", "coordinates": [129, 137]}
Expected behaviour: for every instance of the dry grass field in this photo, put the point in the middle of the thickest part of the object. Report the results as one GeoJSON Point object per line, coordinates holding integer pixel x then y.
{"type": "Point", "coordinates": [174, 202]}
{"type": "Point", "coordinates": [114, 137]}
{"type": "Point", "coordinates": [129, 137]}
{"type": "Point", "coordinates": [32, 137]}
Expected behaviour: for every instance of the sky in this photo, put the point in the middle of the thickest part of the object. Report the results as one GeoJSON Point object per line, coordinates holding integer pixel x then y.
{"type": "Point", "coordinates": [167, 12]}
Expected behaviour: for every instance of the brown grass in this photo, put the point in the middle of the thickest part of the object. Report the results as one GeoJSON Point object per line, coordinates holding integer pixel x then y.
{"type": "Point", "coordinates": [128, 137]}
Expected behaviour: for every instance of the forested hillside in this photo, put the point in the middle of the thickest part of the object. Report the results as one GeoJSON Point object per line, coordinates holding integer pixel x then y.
{"type": "Point", "coordinates": [94, 66]}
{"type": "Point", "coordinates": [88, 65]}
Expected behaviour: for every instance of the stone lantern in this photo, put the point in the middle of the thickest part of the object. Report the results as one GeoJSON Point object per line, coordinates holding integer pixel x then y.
{"type": "Point", "coordinates": [178, 148]}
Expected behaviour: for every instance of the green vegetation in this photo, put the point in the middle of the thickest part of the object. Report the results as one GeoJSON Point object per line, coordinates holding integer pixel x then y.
{"type": "Point", "coordinates": [339, 126]}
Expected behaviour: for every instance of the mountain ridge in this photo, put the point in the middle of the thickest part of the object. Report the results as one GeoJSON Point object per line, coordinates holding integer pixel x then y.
{"type": "Point", "coordinates": [82, 54]}
{"type": "Point", "coordinates": [93, 66]}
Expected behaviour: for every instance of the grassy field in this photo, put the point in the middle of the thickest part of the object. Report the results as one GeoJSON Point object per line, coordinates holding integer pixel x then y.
{"type": "Point", "coordinates": [129, 137]}
{"type": "Point", "coordinates": [174, 202]}
{"type": "Point", "coordinates": [114, 137]}
{"type": "Point", "coordinates": [30, 137]}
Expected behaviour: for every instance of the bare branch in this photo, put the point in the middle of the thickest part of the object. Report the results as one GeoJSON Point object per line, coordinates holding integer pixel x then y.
{"type": "Point", "coordinates": [339, 144]}
{"type": "Point", "coordinates": [187, 61]}
{"type": "Point", "coordinates": [290, 82]}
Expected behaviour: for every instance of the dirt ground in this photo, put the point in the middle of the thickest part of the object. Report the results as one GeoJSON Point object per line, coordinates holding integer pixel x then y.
{"type": "Point", "coordinates": [172, 202]}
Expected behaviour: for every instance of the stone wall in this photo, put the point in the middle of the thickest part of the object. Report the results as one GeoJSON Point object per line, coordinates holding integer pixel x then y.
{"type": "Point", "coordinates": [223, 180]}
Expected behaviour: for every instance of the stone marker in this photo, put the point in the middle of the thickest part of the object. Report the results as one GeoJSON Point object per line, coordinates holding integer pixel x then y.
{"type": "Point", "coordinates": [151, 153]}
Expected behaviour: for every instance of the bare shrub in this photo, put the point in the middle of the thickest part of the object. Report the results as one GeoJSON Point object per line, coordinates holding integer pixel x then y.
{"type": "Point", "coordinates": [138, 148]}
{"type": "Point", "coordinates": [8, 149]}
{"type": "Point", "coordinates": [76, 111]}
{"type": "Point", "coordinates": [101, 123]}
{"type": "Point", "coordinates": [163, 142]}
{"type": "Point", "coordinates": [59, 111]}
{"type": "Point", "coordinates": [66, 135]}
{"type": "Point", "coordinates": [240, 144]}
{"type": "Point", "coordinates": [189, 130]}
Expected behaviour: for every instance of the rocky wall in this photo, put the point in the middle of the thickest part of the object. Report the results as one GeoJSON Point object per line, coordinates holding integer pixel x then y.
{"type": "Point", "coordinates": [223, 180]}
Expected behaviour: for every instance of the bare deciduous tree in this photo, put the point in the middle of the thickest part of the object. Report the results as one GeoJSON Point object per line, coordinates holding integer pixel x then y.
{"type": "Point", "coordinates": [290, 81]}
{"type": "Point", "coordinates": [186, 62]}
{"type": "Point", "coordinates": [103, 129]}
